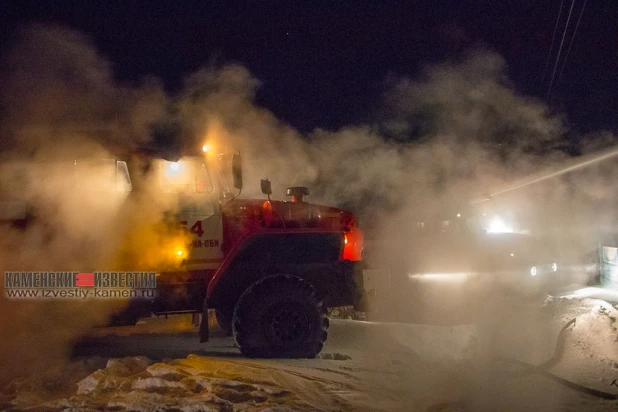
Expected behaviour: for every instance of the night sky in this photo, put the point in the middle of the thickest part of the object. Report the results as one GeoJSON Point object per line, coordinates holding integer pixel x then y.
{"type": "Point", "coordinates": [325, 63]}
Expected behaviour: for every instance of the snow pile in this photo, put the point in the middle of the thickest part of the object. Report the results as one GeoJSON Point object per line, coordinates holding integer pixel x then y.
{"type": "Point", "coordinates": [585, 355]}
{"type": "Point", "coordinates": [135, 383]}
{"type": "Point", "coordinates": [115, 376]}
{"type": "Point", "coordinates": [596, 332]}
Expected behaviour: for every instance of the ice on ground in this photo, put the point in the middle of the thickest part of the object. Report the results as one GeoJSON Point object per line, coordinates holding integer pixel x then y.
{"type": "Point", "coordinates": [166, 371]}
{"type": "Point", "coordinates": [155, 384]}
{"type": "Point", "coordinates": [102, 381]}
{"type": "Point", "coordinates": [430, 342]}
{"type": "Point", "coordinates": [114, 376]}
{"type": "Point", "coordinates": [127, 366]}
{"type": "Point", "coordinates": [192, 384]}
{"type": "Point", "coordinates": [145, 401]}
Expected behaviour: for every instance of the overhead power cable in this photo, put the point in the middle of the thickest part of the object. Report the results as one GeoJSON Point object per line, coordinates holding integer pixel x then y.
{"type": "Point", "coordinates": [566, 27]}
{"type": "Point", "coordinates": [553, 39]}
{"type": "Point", "coordinates": [581, 13]}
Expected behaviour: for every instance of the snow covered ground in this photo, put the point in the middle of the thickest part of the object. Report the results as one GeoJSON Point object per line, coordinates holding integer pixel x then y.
{"type": "Point", "coordinates": [159, 365]}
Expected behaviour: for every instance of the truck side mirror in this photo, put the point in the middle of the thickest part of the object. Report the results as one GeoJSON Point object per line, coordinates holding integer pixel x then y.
{"type": "Point", "coordinates": [265, 186]}
{"type": "Point", "coordinates": [237, 171]}
{"type": "Point", "coordinates": [123, 180]}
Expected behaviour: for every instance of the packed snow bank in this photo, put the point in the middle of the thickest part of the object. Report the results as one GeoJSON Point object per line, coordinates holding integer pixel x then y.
{"type": "Point", "coordinates": [598, 330]}
{"type": "Point", "coordinates": [191, 384]}
{"type": "Point", "coordinates": [528, 332]}
{"type": "Point", "coordinates": [595, 333]}
{"type": "Point", "coordinates": [588, 292]}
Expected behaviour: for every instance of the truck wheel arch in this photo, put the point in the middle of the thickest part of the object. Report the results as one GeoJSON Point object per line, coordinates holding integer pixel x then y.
{"type": "Point", "coordinates": [306, 255]}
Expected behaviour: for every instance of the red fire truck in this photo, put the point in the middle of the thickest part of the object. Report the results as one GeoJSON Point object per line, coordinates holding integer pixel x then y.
{"type": "Point", "coordinates": [268, 268]}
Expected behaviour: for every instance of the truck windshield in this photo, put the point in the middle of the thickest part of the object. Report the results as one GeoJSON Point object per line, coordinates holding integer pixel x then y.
{"type": "Point", "coordinates": [187, 184]}
{"type": "Point", "coordinates": [185, 176]}
{"type": "Point", "coordinates": [195, 204]}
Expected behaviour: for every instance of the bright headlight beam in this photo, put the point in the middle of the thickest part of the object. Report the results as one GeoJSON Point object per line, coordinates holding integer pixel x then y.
{"type": "Point", "coordinates": [448, 277]}
{"type": "Point", "coordinates": [497, 225]}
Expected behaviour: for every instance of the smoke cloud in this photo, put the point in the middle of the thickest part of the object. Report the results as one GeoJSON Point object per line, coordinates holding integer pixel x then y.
{"type": "Point", "coordinates": [457, 131]}
{"type": "Point", "coordinates": [59, 91]}
{"type": "Point", "coordinates": [59, 102]}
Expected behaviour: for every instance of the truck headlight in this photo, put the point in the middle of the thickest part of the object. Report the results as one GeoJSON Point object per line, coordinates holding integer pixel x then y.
{"type": "Point", "coordinates": [533, 271]}
{"type": "Point", "coordinates": [180, 253]}
{"type": "Point", "coordinates": [554, 267]}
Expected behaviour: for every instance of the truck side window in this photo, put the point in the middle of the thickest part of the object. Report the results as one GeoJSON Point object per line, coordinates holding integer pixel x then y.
{"type": "Point", "coordinates": [198, 204]}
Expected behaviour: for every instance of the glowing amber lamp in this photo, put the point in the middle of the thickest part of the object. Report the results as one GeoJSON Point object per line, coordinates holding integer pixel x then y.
{"type": "Point", "coordinates": [353, 244]}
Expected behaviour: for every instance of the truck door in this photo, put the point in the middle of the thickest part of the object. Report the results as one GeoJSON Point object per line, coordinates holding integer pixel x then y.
{"type": "Point", "coordinates": [206, 237]}
{"type": "Point", "coordinates": [190, 192]}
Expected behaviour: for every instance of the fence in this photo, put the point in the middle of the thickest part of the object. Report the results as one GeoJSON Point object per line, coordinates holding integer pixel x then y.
{"type": "Point", "coordinates": [609, 266]}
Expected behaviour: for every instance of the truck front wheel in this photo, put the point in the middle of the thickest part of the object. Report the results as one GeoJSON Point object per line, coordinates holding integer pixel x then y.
{"type": "Point", "coordinates": [280, 316]}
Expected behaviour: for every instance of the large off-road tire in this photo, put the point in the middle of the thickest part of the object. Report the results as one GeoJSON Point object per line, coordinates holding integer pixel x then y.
{"type": "Point", "coordinates": [280, 316]}
{"type": "Point", "coordinates": [224, 320]}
